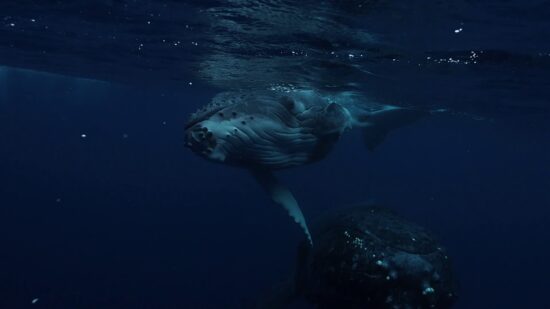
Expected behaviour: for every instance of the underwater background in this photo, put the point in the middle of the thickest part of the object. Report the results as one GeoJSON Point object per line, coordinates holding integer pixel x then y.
{"type": "Point", "coordinates": [102, 207]}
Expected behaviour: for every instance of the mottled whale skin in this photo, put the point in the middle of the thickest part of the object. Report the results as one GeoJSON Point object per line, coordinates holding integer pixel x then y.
{"type": "Point", "coordinates": [267, 129]}
{"type": "Point", "coordinates": [270, 130]}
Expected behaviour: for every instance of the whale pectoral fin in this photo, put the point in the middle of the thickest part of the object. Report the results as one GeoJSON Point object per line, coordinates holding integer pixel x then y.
{"type": "Point", "coordinates": [282, 195]}
{"type": "Point", "coordinates": [378, 124]}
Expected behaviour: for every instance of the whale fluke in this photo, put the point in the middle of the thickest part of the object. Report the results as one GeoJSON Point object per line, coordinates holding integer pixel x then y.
{"type": "Point", "coordinates": [282, 196]}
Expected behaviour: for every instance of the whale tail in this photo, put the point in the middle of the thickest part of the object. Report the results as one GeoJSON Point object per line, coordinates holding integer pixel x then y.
{"type": "Point", "coordinates": [377, 120]}
{"type": "Point", "coordinates": [377, 124]}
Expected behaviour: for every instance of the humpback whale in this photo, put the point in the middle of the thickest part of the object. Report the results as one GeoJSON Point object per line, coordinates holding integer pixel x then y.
{"type": "Point", "coordinates": [269, 130]}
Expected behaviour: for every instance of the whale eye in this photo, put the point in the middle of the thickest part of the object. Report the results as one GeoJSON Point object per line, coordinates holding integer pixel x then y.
{"type": "Point", "coordinates": [221, 114]}
{"type": "Point", "coordinates": [243, 122]}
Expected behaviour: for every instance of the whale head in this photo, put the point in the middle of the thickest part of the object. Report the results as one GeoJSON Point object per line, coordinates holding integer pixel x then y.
{"type": "Point", "coordinates": [261, 130]}
{"type": "Point", "coordinates": [223, 136]}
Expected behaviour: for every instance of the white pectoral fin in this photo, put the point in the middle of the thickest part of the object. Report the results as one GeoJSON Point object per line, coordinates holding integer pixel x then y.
{"type": "Point", "coordinates": [282, 195]}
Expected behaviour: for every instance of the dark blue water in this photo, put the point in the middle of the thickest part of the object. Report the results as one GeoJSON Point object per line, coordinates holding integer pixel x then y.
{"type": "Point", "coordinates": [102, 207]}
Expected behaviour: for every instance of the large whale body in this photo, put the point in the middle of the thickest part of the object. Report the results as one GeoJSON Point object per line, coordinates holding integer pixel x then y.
{"type": "Point", "coordinates": [270, 130]}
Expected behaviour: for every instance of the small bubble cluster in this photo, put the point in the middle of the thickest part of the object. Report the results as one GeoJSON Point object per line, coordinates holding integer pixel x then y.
{"type": "Point", "coordinates": [471, 59]}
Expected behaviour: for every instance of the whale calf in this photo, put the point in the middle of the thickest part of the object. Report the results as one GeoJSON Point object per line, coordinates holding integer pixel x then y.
{"type": "Point", "coordinates": [269, 130]}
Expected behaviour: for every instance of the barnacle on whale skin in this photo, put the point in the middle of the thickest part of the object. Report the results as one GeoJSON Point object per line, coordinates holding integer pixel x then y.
{"type": "Point", "coordinates": [203, 113]}
{"type": "Point", "coordinates": [219, 102]}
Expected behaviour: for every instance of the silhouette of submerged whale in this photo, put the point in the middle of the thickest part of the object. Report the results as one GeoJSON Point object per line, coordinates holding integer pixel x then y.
{"type": "Point", "coordinates": [270, 130]}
